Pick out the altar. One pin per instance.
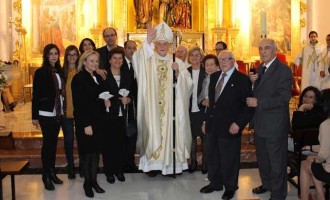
(33, 24)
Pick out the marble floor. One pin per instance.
(138, 186)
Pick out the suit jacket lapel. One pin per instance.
(229, 83)
(213, 82)
(201, 77)
(268, 72)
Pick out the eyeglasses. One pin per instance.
(225, 59)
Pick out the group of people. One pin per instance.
(98, 105)
(118, 99)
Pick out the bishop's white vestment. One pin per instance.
(155, 111)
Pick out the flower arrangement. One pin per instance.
(3, 66)
(3, 63)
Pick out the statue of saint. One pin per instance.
(143, 12)
(179, 15)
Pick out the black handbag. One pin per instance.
(131, 125)
(131, 128)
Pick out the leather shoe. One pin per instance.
(47, 182)
(209, 189)
(152, 173)
(88, 190)
(228, 194)
(120, 177)
(111, 179)
(259, 190)
(97, 188)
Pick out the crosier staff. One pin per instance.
(176, 35)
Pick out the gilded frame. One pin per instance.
(188, 39)
(53, 22)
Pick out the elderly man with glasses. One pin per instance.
(226, 118)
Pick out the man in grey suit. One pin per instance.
(271, 95)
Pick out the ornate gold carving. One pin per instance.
(303, 7)
(302, 22)
(20, 51)
(162, 78)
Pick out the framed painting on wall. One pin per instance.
(53, 22)
(281, 24)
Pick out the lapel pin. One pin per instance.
(232, 85)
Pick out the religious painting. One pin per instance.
(56, 23)
(176, 13)
(186, 15)
(276, 23)
(188, 39)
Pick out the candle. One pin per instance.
(263, 22)
(96, 11)
(219, 12)
(233, 13)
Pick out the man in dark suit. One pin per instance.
(227, 116)
(272, 92)
(131, 129)
(110, 38)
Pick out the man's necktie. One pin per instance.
(219, 86)
(130, 66)
(262, 73)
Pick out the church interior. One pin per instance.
(26, 26)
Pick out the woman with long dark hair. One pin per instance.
(309, 115)
(310, 112)
(89, 109)
(316, 168)
(70, 65)
(47, 110)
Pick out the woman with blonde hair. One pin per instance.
(197, 71)
(88, 110)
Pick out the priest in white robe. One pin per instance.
(154, 73)
(325, 66)
(309, 57)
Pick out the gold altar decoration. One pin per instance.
(236, 26)
(303, 9)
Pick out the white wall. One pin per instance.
(4, 31)
(318, 17)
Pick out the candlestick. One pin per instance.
(263, 22)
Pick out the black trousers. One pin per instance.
(113, 146)
(50, 128)
(272, 161)
(130, 147)
(223, 161)
(196, 120)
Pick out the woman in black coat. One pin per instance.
(113, 139)
(47, 110)
(88, 110)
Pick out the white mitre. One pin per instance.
(164, 33)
